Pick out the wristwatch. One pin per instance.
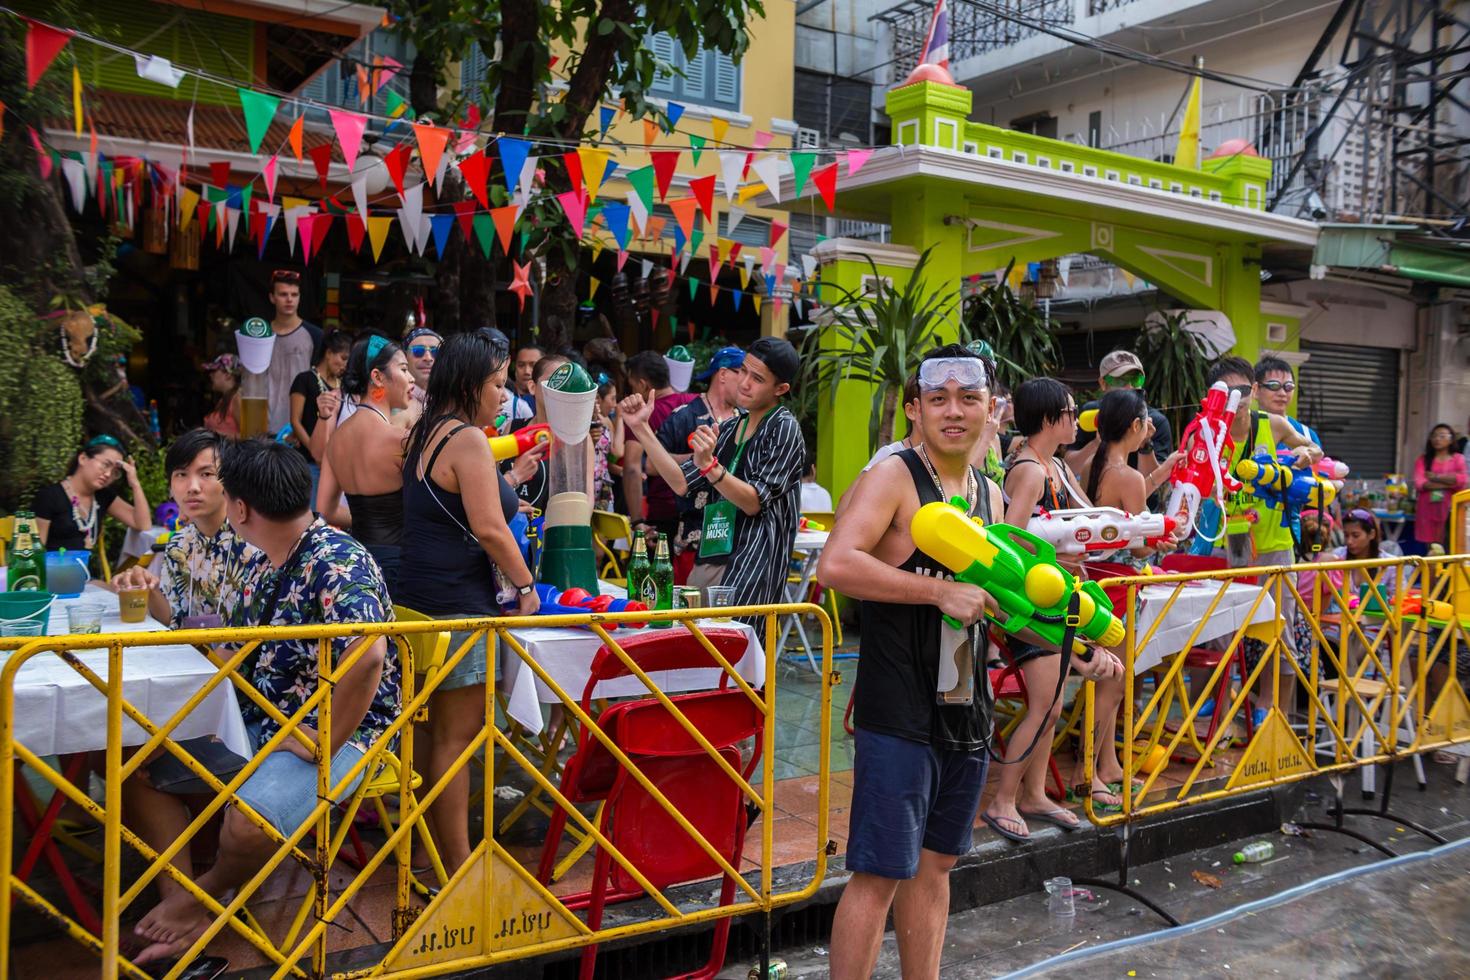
(525, 589)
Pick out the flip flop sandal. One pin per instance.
(1052, 817)
(1010, 835)
(204, 968)
(1078, 794)
(1116, 787)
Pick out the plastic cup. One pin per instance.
(132, 605)
(1060, 901)
(686, 597)
(84, 618)
(22, 627)
(720, 597)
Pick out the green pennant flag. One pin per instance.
(642, 181)
(484, 232)
(525, 238)
(214, 194)
(801, 166)
(245, 194)
(693, 287)
(260, 110)
(696, 143)
(695, 239)
(395, 102)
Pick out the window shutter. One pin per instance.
(667, 52)
(693, 87)
(726, 89)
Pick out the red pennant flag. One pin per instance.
(734, 251)
(505, 224)
(205, 210)
(825, 179)
(704, 193)
(321, 158)
(305, 226)
(669, 283)
(573, 163)
(43, 44)
(683, 210)
(219, 173)
(355, 229)
(465, 212)
(432, 140)
(476, 171)
(319, 230)
(294, 137)
(664, 163)
(397, 163)
(777, 230)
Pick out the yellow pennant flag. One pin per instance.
(597, 246)
(718, 127)
(592, 283)
(187, 207)
(76, 96)
(377, 229)
(287, 203)
(594, 165)
(1186, 154)
(1017, 276)
(744, 276)
(756, 299)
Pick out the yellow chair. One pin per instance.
(7, 531)
(826, 519)
(607, 529)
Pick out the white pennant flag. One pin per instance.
(809, 265)
(413, 209)
(443, 165)
(749, 259)
(528, 173)
(732, 163)
(426, 228)
(219, 213)
(640, 213)
(736, 215)
(232, 225)
(292, 214)
(647, 268)
(359, 195)
(1064, 268)
(684, 261)
(768, 169)
(76, 181)
(157, 69)
(189, 129)
(410, 231)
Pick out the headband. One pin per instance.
(418, 332)
(375, 346)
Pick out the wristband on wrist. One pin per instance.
(723, 473)
(712, 464)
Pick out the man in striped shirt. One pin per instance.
(745, 474)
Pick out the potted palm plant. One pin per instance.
(1019, 333)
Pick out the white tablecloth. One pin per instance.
(566, 654)
(57, 711)
(1186, 612)
(136, 544)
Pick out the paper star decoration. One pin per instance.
(521, 284)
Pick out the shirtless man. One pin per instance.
(919, 766)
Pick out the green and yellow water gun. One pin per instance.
(1020, 571)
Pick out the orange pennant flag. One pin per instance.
(654, 230)
(294, 138)
(432, 140)
(505, 223)
(650, 132)
(683, 210)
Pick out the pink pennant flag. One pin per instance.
(43, 156)
(768, 256)
(268, 172)
(384, 68)
(856, 159)
(349, 126)
(304, 225)
(622, 258)
(762, 140)
(575, 205)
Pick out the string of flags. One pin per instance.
(118, 185)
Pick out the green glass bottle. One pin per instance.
(26, 569)
(637, 568)
(658, 588)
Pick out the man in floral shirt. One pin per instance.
(314, 574)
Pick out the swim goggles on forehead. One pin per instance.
(967, 372)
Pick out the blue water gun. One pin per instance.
(578, 602)
(1283, 484)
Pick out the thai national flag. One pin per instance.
(936, 45)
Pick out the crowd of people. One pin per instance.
(382, 442)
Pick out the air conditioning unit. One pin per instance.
(808, 137)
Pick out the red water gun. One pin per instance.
(1205, 468)
(513, 444)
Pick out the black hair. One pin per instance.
(605, 387)
(360, 369)
(1370, 525)
(1040, 402)
(335, 342)
(465, 363)
(1269, 364)
(1229, 365)
(649, 366)
(93, 448)
(269, 477)
(1429, 444)
(533, 346)
(1116, 413)
(186, 448)
(546, 365)
(911, 388)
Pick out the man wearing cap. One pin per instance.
(747, 473)
(1123, 369)
(711, 408)
(648, 376)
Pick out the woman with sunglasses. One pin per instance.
(1438, 475)
(364, 459)
(69, 514)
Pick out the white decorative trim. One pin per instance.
(1088, 170)
(1023, 235)
(951, 139)
(783, 127)
(1018, 156)
(882, 253)
(995, 152)
(1044, 162)
(908, 132)
(1164, 255)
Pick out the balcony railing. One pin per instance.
(973, 30)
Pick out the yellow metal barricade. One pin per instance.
(1362, 662)
(468, 923)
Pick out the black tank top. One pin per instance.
(446, 572)
(377, 518)
(899, 653)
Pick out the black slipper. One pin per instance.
(1050, 816)
(1009, 835)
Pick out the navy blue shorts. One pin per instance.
(907, 796)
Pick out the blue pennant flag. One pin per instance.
(771, 284)
(616, 216)
(737, 298)
(605, 117)
(513, 153)
(675, 111)
(440, 225)
(678, 239)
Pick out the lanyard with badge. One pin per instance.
(717, 531)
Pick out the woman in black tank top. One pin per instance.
(463, 562)
(1046, 416)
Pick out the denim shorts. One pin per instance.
(283, 789)
(473, 667)
(907, 796)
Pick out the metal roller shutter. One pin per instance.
(1350, 395)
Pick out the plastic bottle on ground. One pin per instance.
(1255, 852)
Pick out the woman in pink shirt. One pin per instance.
(1438, 474)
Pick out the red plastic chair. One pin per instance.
(1009, 683)
(692, 781)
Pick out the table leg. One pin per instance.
(40, 825)
(793, 620)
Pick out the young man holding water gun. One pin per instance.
(922, 734)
